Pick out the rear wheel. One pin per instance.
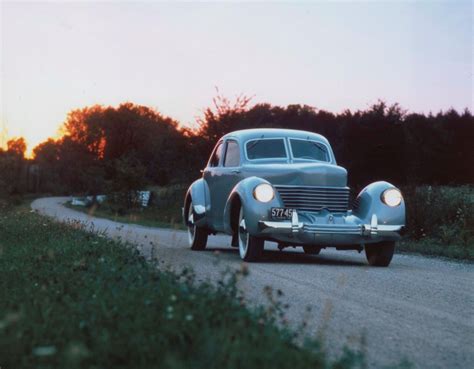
(380, 254)
(250, 247)
(197, 236)
(311, 250)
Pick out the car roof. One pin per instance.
(248, 134)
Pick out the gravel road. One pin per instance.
(421, 309)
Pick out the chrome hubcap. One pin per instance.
(243, 235)
(191, 225)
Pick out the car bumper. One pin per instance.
(353, 231)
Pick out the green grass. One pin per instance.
(72, 299)
(169, 217)
(433, 247)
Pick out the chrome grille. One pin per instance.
(333, 228)
(356, 203)
(309, 198)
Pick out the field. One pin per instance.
(75, 299)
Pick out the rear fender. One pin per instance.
(198, 192)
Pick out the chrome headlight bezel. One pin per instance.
(392, 197)
(264, 192)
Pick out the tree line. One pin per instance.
(113, 149)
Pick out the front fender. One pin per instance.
(369, 202)
(254, 210)
(199, 193)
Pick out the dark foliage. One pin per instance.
(100, 143)
(382, 142)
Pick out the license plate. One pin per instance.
(281, 213)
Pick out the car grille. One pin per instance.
(309, 198)
(356, 204)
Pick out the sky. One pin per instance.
(58, 56)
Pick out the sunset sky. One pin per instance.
(331, 55)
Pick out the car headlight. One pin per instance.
(392, 197)
(264, 192)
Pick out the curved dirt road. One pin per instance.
(421, 309)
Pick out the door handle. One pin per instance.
(236, 171)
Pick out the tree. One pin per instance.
(17, 147)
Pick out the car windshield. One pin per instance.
(266, 149)
(309, 150)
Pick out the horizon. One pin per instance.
(61, 57)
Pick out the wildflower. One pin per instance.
(189, 317)
(44, 351)
(169, 309)
(173, 298)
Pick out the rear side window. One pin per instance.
(309, 150)
(232, 154)
(216, 157)
(266, 149)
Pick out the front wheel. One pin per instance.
(380, 254)
(197, 236)
(250, 247)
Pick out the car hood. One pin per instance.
(300, 174)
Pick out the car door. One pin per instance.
(210, 175)
(222, 178)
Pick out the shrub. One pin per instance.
(442, 213)
(168, 196)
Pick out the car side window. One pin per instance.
(232, 154)
(216, 157)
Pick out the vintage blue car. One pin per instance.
(284, 186)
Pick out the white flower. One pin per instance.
(44, 351)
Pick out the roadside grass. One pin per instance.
(440, 221)
(164, 217)
(433, 247)
(73, 299)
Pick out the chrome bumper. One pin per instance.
(295, 226)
